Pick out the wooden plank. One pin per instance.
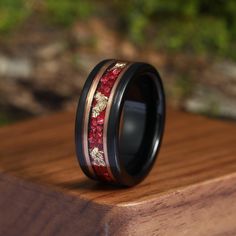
(190, 191)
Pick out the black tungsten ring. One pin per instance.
(120, 122)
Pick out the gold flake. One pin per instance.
(97, 157)
(119, 65)
(101, 104)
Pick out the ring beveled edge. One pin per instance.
(80, 118)
(124, 178)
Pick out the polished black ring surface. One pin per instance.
(120, 122)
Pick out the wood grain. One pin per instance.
(190, 191)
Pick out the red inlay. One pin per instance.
(96, 124)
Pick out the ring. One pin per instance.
(120, 122)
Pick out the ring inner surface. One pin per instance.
(139, 123)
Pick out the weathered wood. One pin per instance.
(190, 191)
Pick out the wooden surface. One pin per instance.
(190, 191)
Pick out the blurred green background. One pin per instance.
(48, 47)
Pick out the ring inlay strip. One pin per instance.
(96, 145)
(88, 105)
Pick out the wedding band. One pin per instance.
(120, 122)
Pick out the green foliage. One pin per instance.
(62, 12)
(196, 25)
(193, 36)
(65, 12)
(12, 13)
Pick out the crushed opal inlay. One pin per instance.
(97, 117)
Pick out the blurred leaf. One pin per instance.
(197, 26)
(194, 36)
(65, 12)
(12, 13)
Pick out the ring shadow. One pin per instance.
(90, 185)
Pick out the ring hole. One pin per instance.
(139, 123)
